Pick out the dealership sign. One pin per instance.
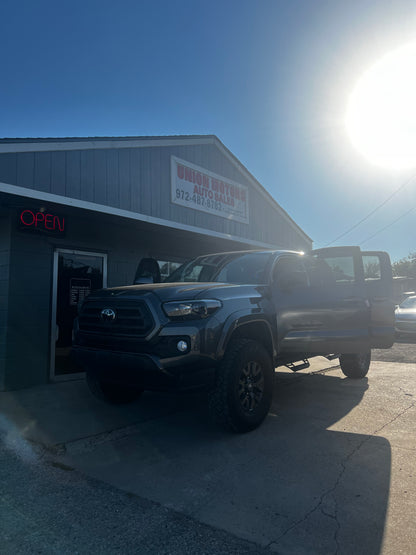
(200, 189)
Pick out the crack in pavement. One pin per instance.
(344, 462)
(338, 526)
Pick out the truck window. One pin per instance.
(244, 268)
(342, 268)
(372, 269)
(289, 273)
(319, 272)
(250, 268)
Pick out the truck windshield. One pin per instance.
(239, 268)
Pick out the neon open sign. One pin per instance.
(42, 221)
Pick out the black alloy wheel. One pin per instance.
(251, 386)
(244, 387)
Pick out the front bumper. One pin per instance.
(405, 326)
(120, 351)
(145, 370)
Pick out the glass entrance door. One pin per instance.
(76, 274)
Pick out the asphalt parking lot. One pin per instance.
(330, 471)
(404, 350)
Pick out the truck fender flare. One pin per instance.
(238, 320)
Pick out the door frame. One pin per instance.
(53, 334)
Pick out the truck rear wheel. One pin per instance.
(113, 393)
(355, 365)
(244, 388)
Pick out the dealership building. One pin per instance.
(77, 214)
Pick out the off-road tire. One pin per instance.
(355, 365)
(244, 387)
(112, 393)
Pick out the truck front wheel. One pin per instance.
(244, 387)
(355, 365)
(113, 393)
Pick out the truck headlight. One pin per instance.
(189, 310)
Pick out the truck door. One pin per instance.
(379, 290)
(345, 299)
(320, 302)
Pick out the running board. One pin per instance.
(299, 365)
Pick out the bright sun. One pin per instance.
(381, 114)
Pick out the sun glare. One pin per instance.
(381, 113)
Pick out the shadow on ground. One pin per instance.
(292, 485)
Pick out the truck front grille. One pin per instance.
(118, 317)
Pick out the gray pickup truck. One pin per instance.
(225, 321)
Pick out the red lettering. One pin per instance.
(39, 218)
(49, 221)
(188, 174)
(61, 226)
(42, 221)
(27, 217)
(180, 171)
(205, 181)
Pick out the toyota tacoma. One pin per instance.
(225, 321)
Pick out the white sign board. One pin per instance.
(200, 189)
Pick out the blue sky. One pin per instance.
(270, 78)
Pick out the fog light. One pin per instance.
(182, 346)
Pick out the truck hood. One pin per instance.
(181, 291)
(406, 313)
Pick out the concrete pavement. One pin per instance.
(330, 471)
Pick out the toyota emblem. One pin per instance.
(108, 315)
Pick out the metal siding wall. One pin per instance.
(4, 291)
(87, 175)
(135, 180)
(58, 173)
(161, 193)
(42, 172)
(144, 189)
(8, 168)
(100, 177)
(124, 179)
(28, 336)
(25, 169)
(138, 179)
(112, 178)
(73, 174)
